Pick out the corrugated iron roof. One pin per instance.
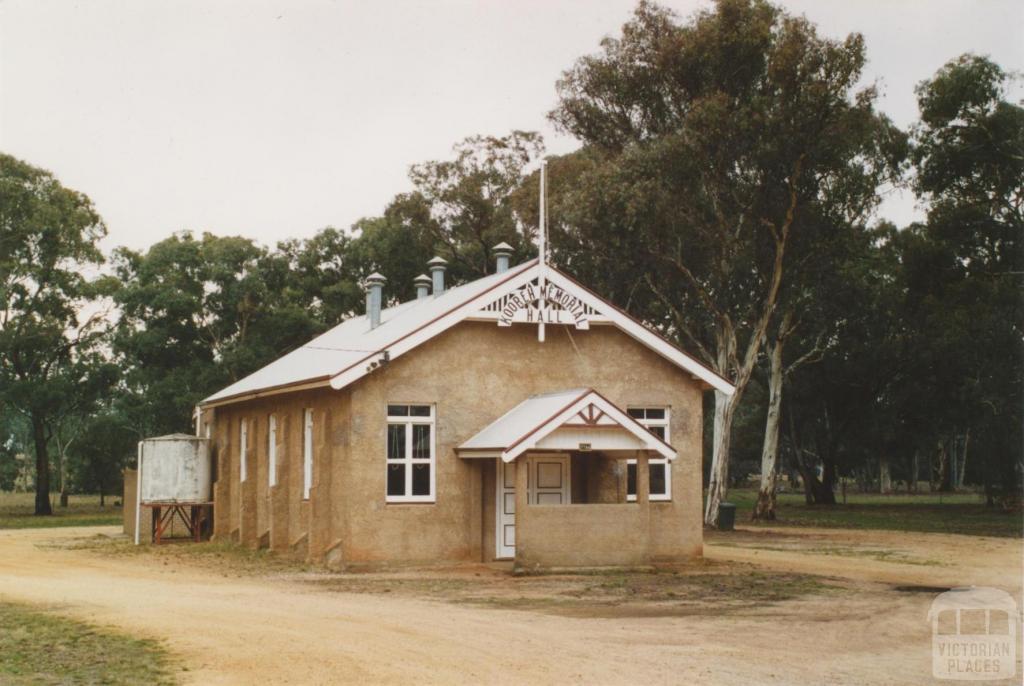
(524, 417)
(352, 349)
(351, 341)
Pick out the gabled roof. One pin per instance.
(352, 349)
(583, 410)
(353, 340)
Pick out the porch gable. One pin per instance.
(577, 419)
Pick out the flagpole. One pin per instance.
(542, 296)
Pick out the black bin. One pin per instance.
(726, 516)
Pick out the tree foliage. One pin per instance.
(722, 141)
(49, 324)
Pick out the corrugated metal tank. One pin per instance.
(175, 469)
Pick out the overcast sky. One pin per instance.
(275, 119)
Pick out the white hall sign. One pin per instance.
(560, 307)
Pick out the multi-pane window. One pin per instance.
(307, 452)
(656, 421)
(410, 454)
(243, 444)
(272, 450)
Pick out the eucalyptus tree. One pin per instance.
(104, 448)
(836, 412)
(715, 136)
(459, 209)
(968, 262)
(49, 317)
(469, 198)
(195, 315)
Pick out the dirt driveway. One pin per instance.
(465, 625)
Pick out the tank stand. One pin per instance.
(196, 517)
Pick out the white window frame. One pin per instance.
(307, 452)
(408, 461)
(651, 423)
(243, 446)
(272, 451)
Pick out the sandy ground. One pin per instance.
(282, 629)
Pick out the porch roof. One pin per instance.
(563, 420)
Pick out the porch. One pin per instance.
(572, 482)
(593, 532)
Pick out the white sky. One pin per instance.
(275, 119)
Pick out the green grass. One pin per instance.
(959, 513)
(38, 646)
(16, 512)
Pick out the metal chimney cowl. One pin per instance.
(374, 297)
(502, 255)
(422, 283)
(437, 268)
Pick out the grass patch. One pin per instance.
(783, 544)
(38, 646)
(735, 586)
(703, 588)
(958, 513)
(226, 559)
(662, 594)
(17, 512)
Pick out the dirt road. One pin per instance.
(893, 557)
(281, 629)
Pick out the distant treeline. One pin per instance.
(724, 192)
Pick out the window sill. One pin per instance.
(410, 502)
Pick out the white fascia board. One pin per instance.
(642, 334)
(433, 328)
(649, 440)
(472, 307)
(470, 454)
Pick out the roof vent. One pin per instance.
(437, 267)
(502, 253)
(374, 293)
(422, 286)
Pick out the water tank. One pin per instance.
(175, 469)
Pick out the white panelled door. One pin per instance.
(505, 507)
(547, 484)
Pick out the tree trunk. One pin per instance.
(798, 458)
(945, 475)
(805, 477)
(954, 459)
(825, 494)
(63, 472)
(816, 491)
(915, 465)
(718, 482)
(765, 506)
(42, 467)
(986, 477)
(884, 476)
(963, 460)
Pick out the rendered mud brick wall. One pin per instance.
(472, 374)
